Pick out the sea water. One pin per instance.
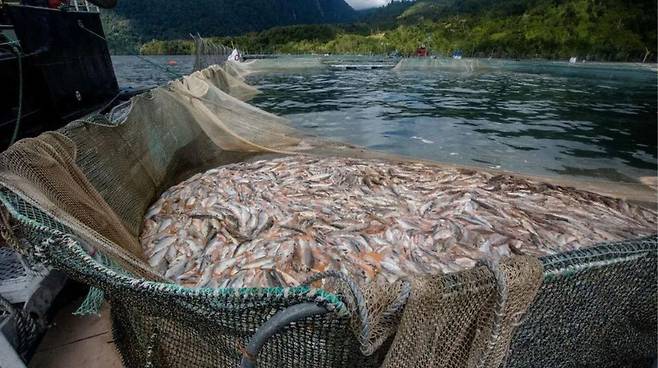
(593, 121)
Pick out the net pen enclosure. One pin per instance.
(77, 198)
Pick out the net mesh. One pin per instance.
(444, 64)
(44, 170)
(594, 70)
(79, 197)
(596, 308)
(466, 320)
(233, 86)
(208, 53)
(242, 69)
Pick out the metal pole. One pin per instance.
(275, 324)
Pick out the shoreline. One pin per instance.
(439, 57)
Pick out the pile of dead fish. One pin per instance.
(274, 223)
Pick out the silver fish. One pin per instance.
(276, 222)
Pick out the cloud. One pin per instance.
(363, 4)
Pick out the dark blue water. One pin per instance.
(536, 118)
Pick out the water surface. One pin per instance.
(537, 118)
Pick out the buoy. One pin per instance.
(172, 62)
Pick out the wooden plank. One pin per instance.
(75, 341)
(67, 328)
(93, 352)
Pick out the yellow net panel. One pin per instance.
(43, 171)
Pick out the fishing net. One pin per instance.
(596, 308)
(443, 64)
(43, 170)
(208, 53)
(79, 197)
(466, 320)
(233, 86)
(278, 64)
(594, 70)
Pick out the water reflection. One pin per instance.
(533, 123)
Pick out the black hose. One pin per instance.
(275, 324)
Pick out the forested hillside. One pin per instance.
(598, 29)
(606, 30)
(134, 22)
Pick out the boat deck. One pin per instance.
(74, 341)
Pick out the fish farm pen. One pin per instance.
(221, 236)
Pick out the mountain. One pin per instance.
(619, 30)
(387, 14)
(134, 22)
(603, 30)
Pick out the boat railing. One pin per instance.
(84, 6)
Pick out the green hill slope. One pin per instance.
(619, 30)
(604, 30)
(600, 29)
(136, 21)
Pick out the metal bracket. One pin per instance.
(274, 325)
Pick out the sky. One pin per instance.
(362, 4)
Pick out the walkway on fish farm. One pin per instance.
(74, 341)
(361, 66)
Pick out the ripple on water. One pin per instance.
(533, 117)
(533, 123)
